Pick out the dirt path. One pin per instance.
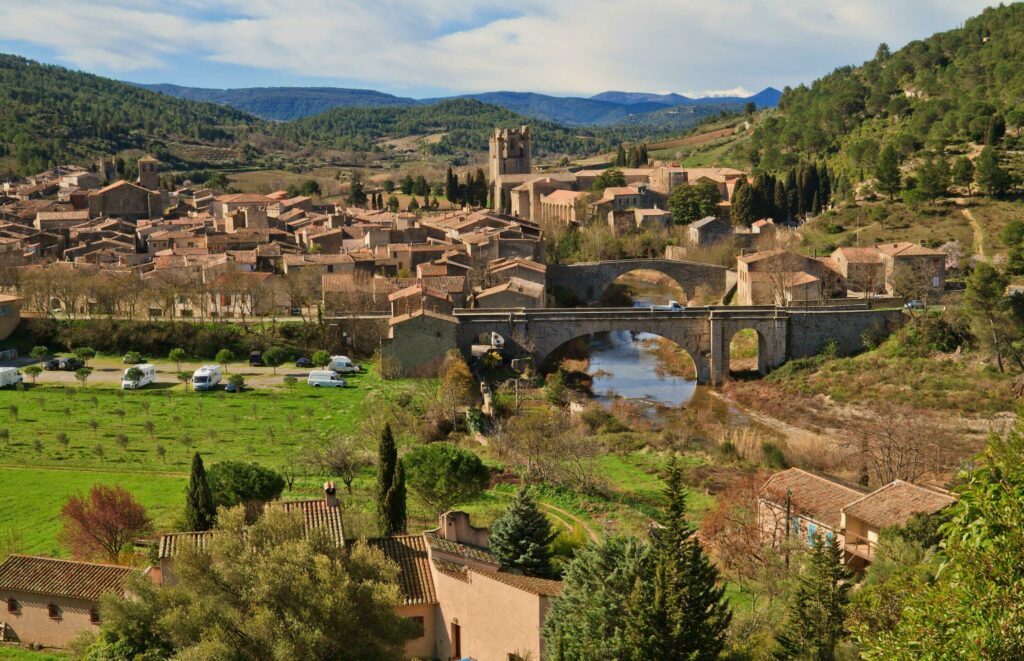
(979, 233)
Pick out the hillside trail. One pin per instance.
(979, 233)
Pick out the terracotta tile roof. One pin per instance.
(61, 578)
(907, 249)
(244, 198)
(417, 290)
(814, 496)
(116, 185)
(501, 264)
(316, 515)
(172, 543)
(517, 285)
(423, 312)
(453, 569)
(563, 196)
(860, 255)
(544, 587)
(468, 551)
(896, 502)
(409, 552)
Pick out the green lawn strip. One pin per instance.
(31, 500)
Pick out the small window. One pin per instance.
(54, 610)
(512, 656)
(94, 615)
(935, 282)
(418, 621)
(12, 605)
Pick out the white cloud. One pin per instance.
(568, 46)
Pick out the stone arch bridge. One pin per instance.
(705, 333)
(587, 282)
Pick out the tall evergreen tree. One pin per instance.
(480, 189)
(200, 512)
(792, 193)
(780, 206)
(451, 186)
(887, 171)
(391, 507)
(681, 611)
(620, 156)
(742, 209)
(817, 609)
(521, 537)
(816, 204)
(992, 177)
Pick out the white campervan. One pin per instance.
(148, 376)
(206, 377)
(9, 376)
(342, 364)
(326, 379)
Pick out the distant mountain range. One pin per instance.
(605, 109)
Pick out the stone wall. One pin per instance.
(811, 330)
(417, 345)
(587, 282)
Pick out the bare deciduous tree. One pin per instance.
(898, 444)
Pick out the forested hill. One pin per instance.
(947, 89)
(284, 103)
(50, 114)
(458, 123)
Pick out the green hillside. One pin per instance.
(466, 124)
(940, 93)
(49, 114)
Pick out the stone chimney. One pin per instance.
(330, 495)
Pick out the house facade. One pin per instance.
(48, 602)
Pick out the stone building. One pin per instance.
(124, 199)
(509, 155)
(149, 176)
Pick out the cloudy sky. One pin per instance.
(433, 47)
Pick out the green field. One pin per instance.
(269, 426)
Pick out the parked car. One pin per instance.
(303, 362)
(326, 379)
(914, 304)
(232, 388)
(256, 359)
(70, 364)
(52, 364)
(132, 358)
(343, 364)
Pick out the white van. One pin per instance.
(206, 377)
(148, 376)
(326, 379)
(342, 364)
(9, 376)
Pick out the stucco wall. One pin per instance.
(495, 619)
(32, 623)
(423, 647)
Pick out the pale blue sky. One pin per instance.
(435, 47)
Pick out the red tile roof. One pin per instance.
(814, 496)
(61, 578)
(896, 502)
(409, 552)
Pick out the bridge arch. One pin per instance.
(586, 283)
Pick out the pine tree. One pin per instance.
(391, 512)
(887, 171)
(683, 612)
(521, 537)
(992, 177)
(200, 512)
(816, 620)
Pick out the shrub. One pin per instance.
(774, 457)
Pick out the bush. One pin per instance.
(774, 457)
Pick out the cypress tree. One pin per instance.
(620, 157)
(780, 211)
(742, 209)
(451, 186)
(816, 204)
(643, 154)
(391, 514)
(816, 620)
(792, 194)
(521, 537)
(200, 512)
(480, 189)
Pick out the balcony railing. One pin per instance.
(861, 547)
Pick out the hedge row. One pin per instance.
(157, 338)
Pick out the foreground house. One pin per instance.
(796, 505)
(47, 602)
(451, 585)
